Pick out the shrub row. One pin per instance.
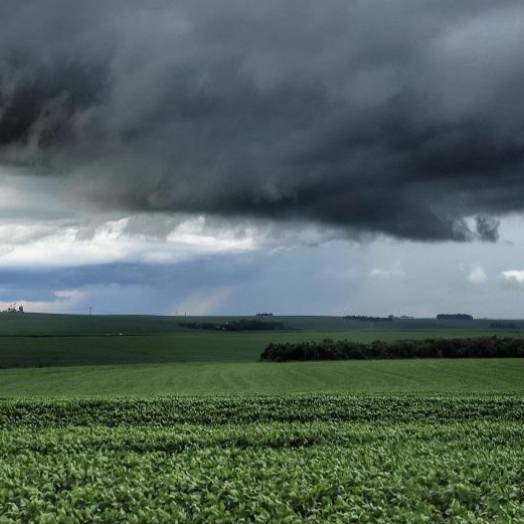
(485, 347)
(236, 325)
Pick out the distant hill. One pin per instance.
(46, 325)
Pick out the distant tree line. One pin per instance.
(454, 316)
(485, 347)
(236, 325)
(365, 318)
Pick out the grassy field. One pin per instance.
(44, 351)
(241, 378)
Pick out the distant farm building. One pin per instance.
(13, 309)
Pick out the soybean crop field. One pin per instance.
(306, 458)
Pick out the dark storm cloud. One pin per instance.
(399, 117)
(487, 228)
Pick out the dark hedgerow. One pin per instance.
(236, 325)
(484, 347)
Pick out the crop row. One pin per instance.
(328, 472)
(166, 411)
(185, 437)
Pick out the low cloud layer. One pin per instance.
(335, 278)
(403, 118)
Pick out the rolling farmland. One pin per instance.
(33, 340)
(172, 425)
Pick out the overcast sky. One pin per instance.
(231, 157)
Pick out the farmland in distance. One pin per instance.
(33, 340)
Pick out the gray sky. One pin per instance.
(235, 157)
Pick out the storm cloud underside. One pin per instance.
(403, 118)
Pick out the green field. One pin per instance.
(223, 378)
(79, 325)
(161, 424)
(33, 340)
(189, 362)
(312, 458)
(44, 351)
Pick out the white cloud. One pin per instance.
(477, 275)
(512, 278)
(66, 244)
(39, 227)
(393, 272)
